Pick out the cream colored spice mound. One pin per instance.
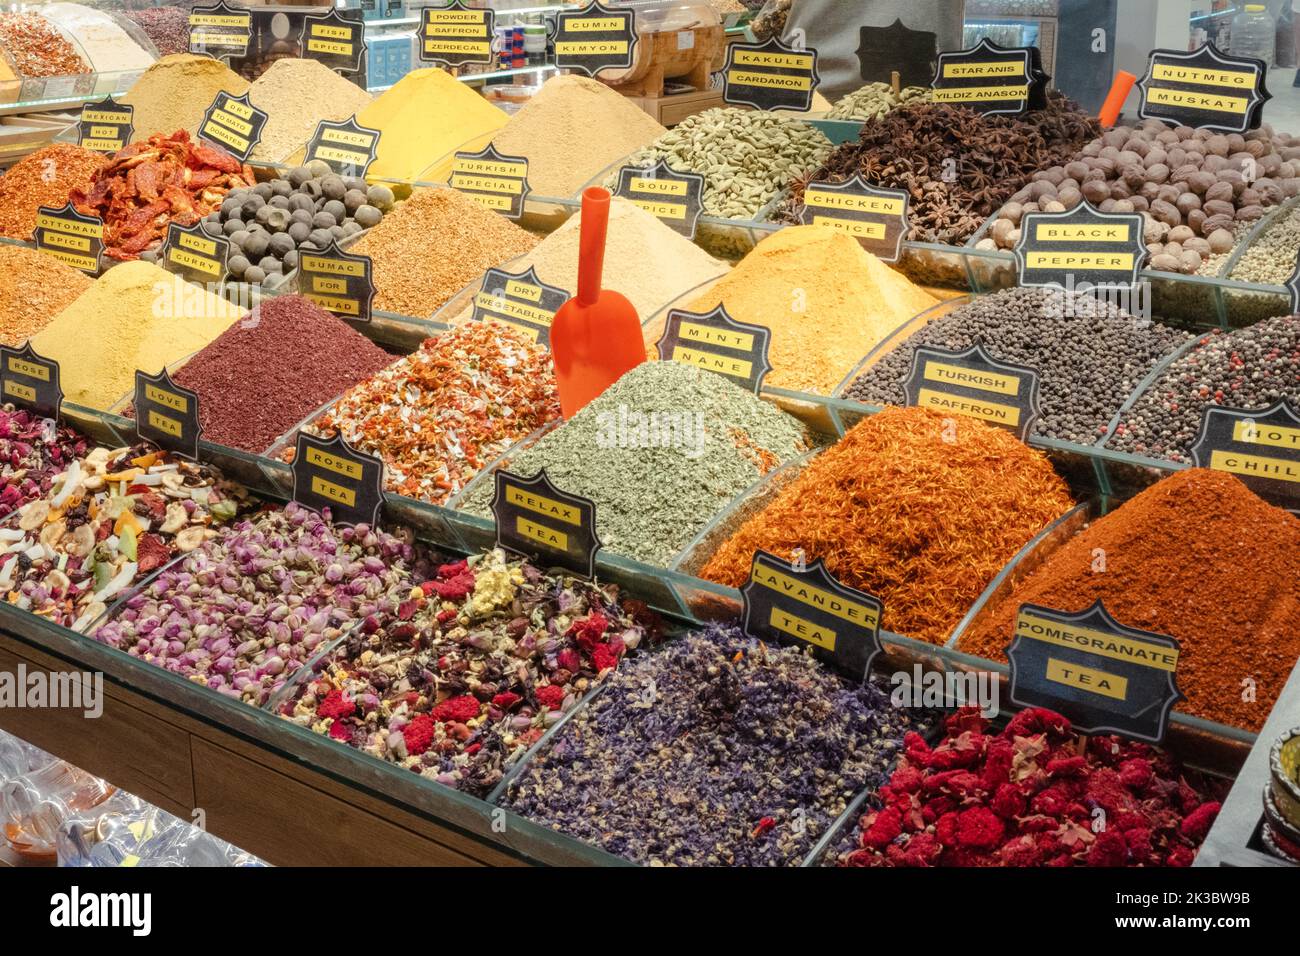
(296, 95)
(176, 91)
(644, 260)
(135, 316)
(571, 131)
(433, 245)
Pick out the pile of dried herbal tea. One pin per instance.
(715, 750)
(468, 672)
(33, 452)
(918, 509)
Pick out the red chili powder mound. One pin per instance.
(275, 366)
(919, 509)
(1199, 557)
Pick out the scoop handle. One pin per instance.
(1119, 90)
(591, 243)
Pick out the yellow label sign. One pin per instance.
(487, 184)
(980, 94)
(1081, 232)
(29, 369)
(338, 267)
(804, 630)
(1096, 642)
(783, 61)
(709, 335)
(965, 69)
(502, 306)
(837, 199)
(1108, 261)
(590, 47)
(541, 533)
(543, 505)
(91, 230)
(1278, 436)
(159, 396)
(595, 24)
(994, 412)
(971, 378)
(713, 362)
(1255, 466)
(1234, 79)
(659, 187)
(24, 392)
(1087, 679)
(854, 227)
(340, 466)
(783, 81)
(165, 423)
(823, 600)
(1188, 99)
(337, 493)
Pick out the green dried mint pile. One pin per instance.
(745, 156)
(663, 450)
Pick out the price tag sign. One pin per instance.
(106, 126)
(328, 473)
(595, 38)
(1080, 249)
(346, 147)
(535, 518)
(986, 78)
(975, 384)
(334, 41)
(234, 124)
(167, 415)
(804, 604)
(675, 199)
(220, 31)
(521, 300)
(70, 237)
(1260, 447)
(194, 255)
(1205, 88)
(1107, 678)
(456, 35)
(884, 51)
(30, 381)
(496, 182)
(338, 282)
(770, 76)
(877, 218)
(716, 342)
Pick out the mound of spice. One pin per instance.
(553, 132)
(1270, 257)
(134, 316)
(108, 521)
(38, 47)
(296, 94)
(102, 41)
(45, 178)
(914, 146)
(272, 368)
(33, 452)
(1089, 353)
(245, 610)
(644, 260)
(168, 28)
(1030, 796)
(660, 452)
(715, 750)
(473, 239)
(153, 183)
(34, 288)
(176, 91)
(873, 101)
(471, 670)
(826, 300)
(920, 510)
(439, 415)
(1197, 556)
(1251, 368)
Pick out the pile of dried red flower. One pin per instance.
(161, 180)
(1032, 795)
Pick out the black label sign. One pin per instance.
(334, 41)
(338, 282)
(220, 31)
(497, 182)
(884, 51)
(1080, 249)
(770, 76)
(986, 78)
(167, 415)
(234, 124)
(595, 38)
(534, 518)
(194, 255)
(787, 603)
(346, 147)
(70, 237)
(1105, 677)
(716, 342)
(521, 300)
(1293, 286)
(1205, 89)
(328, 473)
(877, 218)
(975, 384)
(30, 381)
(106, 126)
(675, 199)
(1260, 447)
(456, 35)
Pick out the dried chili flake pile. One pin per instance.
(470, 670)
(33, 451)
(150, 184)
(1030, 796)
(918, 509)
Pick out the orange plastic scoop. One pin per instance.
(1119, 90)
(596, 335)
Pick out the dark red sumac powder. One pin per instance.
(273, 367)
